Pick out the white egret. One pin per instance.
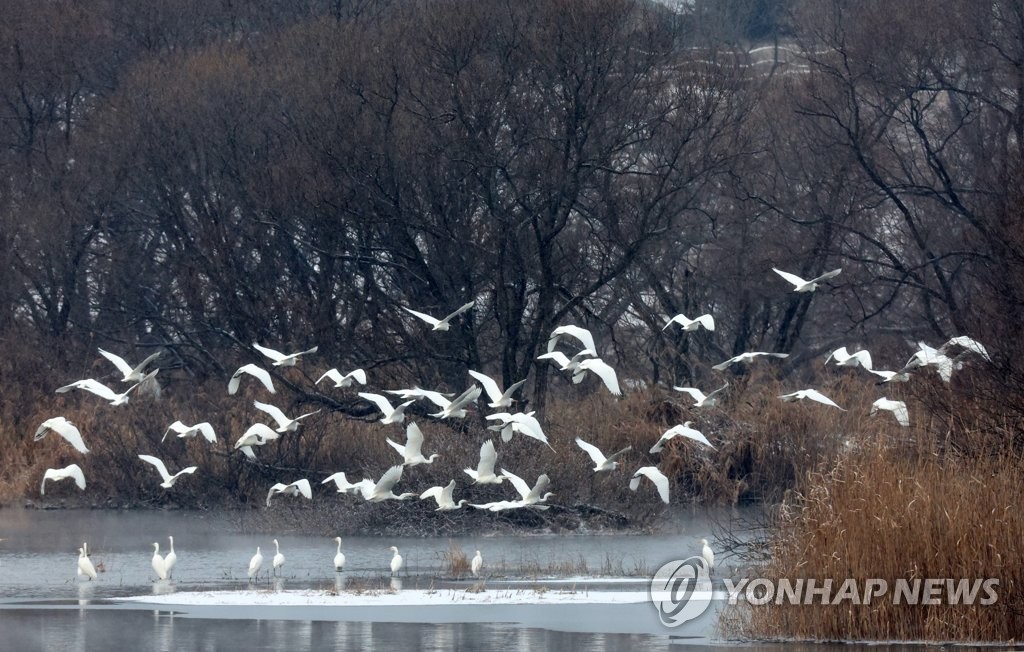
(891, 376)
(255, 564)
(171, 558)
(204, 428)
(396, 561)
(258, 434)
(339, 380)
(85, 566)
(655, 476)
(967, 343)
(444, 497)
(564, 362)
(484, 473)
(168, 479)
(159, 565)
(457, 407)
(259, 373)
(498, 398)
(530, 496)
(299, 487)
(284, 423)
(707, 321)
(708, 554)
(282, 359)
(603, 371)
(440, 324)
(474, 566)
(437, 398)
(811, 394)
(382, 490)
(898, 409)
(342, 483)
(700, 398)
(681, 430)
(844, 358)
(523, 423)
(65, 429)
(585, 337)
(800, 285)
(390, 414)
(927, 356)
(602, 463)
(412, 452)
(69, 471)
(101, 390)
(128, 372)
(278, 561)
(746, 357)
(339, 557)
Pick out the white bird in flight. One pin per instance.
(444, 497)
(700, 398)
(204, 429)
(926, 356)
(258, 434)
(523, 423)
(283, 359)
(382, 490)
(498, 398)
(168, 479)
(811, 394)
(457, 407)
(531, 497)
(129, 373)
(746, 357)
(681, 430)
(655, 476)
(390, 413)
(299, 487)
(564, 362)
(343, 485)
(484, 473)
(800, 285)
(256, 372)
(440, 324)
(602, 463)
(844, 358)
(69, 471)
(966, 343)
(414, 394)
(355, 376)
(412, 452)
(65, 429)
(585, 337)
(284, 423)
(101, 390)
(707, 321)
(898, 409)
(891, 376)
(603, 371)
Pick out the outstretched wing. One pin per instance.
(275, 413)
(256, 372)
(161, 469)
(276, 356)
(593, 451)
(119, 362)
(655, 476)
(490, 386)
(605, 372)
(517, 482)
(488, 457)
(382, 402)
(792, 278)
(424, 316)
(828, 275)
(458, 312)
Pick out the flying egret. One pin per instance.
(927, 356)
(258, 434)
(603, 371)
(168, 479)
(523, 423)
(898, 409)
(457, 407)
(498, 398)
(355, 376)
(811, 394)
(484, 473)
(339, 557)
(800, 285)
(530, 497)
(342, 483)
(282, 359)
(65, 429)
(746, 357)
(85, 566)
(844, 358)
(437, 398)
(564, 362)
(700, 398)
(966, 343)
(681, 430)
(278, 561)
(254, 564)
(390, 414)
(204, 428)
(259, 373)
(601, 463)
(708, 554)
(412, 452)
(69, 471)
(585, 337)
(444, 497)
(707, 321)
(171, 558)
(129, 373)
(284, 423)
(891, 376)
(396, 561)
(655, 476)
(101, 390)
(440, 324)
(382, 490)
(159, 565)
(474, 566)
(294, 489)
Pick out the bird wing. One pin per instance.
(339, 479)
(333, 374)
(424, 316)
(65, 429)
(276, 356)
(433, 492)
(119, 362)
(158, 464)
(865, 359)
(593, 451)
(303, 487)
(382, 402)
(719, 390)
(517, 482)
(258, 373)
(815, 395)
(97, 388)
(902, 415)
(465, 398)
(142, 365)
(358, 375)
(556, 357)
(488, 457)
(276, 489)
(207, 430)
(490, 386)
(605, 372)
(792, 278)
(448, 493)
(582, 334)
(177, 427)
(388, 480)
(463, 308)
(413, 440)
(840, 355)
(678, 319)
(538, 489)
(655, 476)
(75, 472)
(968, 343)
(275, 413)
(513, 387)
(827, 275)
(620, 453)
(721, 366)
(695, 393)
(398, 447)
(707, 321)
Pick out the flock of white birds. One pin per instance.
(577, 362)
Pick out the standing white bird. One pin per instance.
(474, 566)
(440, 324)
(339, 380)
(129, 373)
(523, 423)
(283, 359)
(412, 452)
(585, 337)
(258, 434)
(299, 487)
(259, 373)
(255, 564)
(498, 398)
(85, 566)
(168, 479)
(204, 428)
(339, 557)
(700, 398)
(457, 407)
(707, 321)
(390, 414)
(484, 473)
(284, 423)
(69, 471)
(898, 409)
(800, 285)
(101, 390)
(382, 490)
(159, 565)
(681, 430)
(65, 429)
(845, 359)
(444, 497)
(603, 370)
(171, 558)
(278, 561)
(811, 394)
(708, 554)
(530, 497)
(746, 357)
(655, 476)
(396, 561)
(601, 463)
